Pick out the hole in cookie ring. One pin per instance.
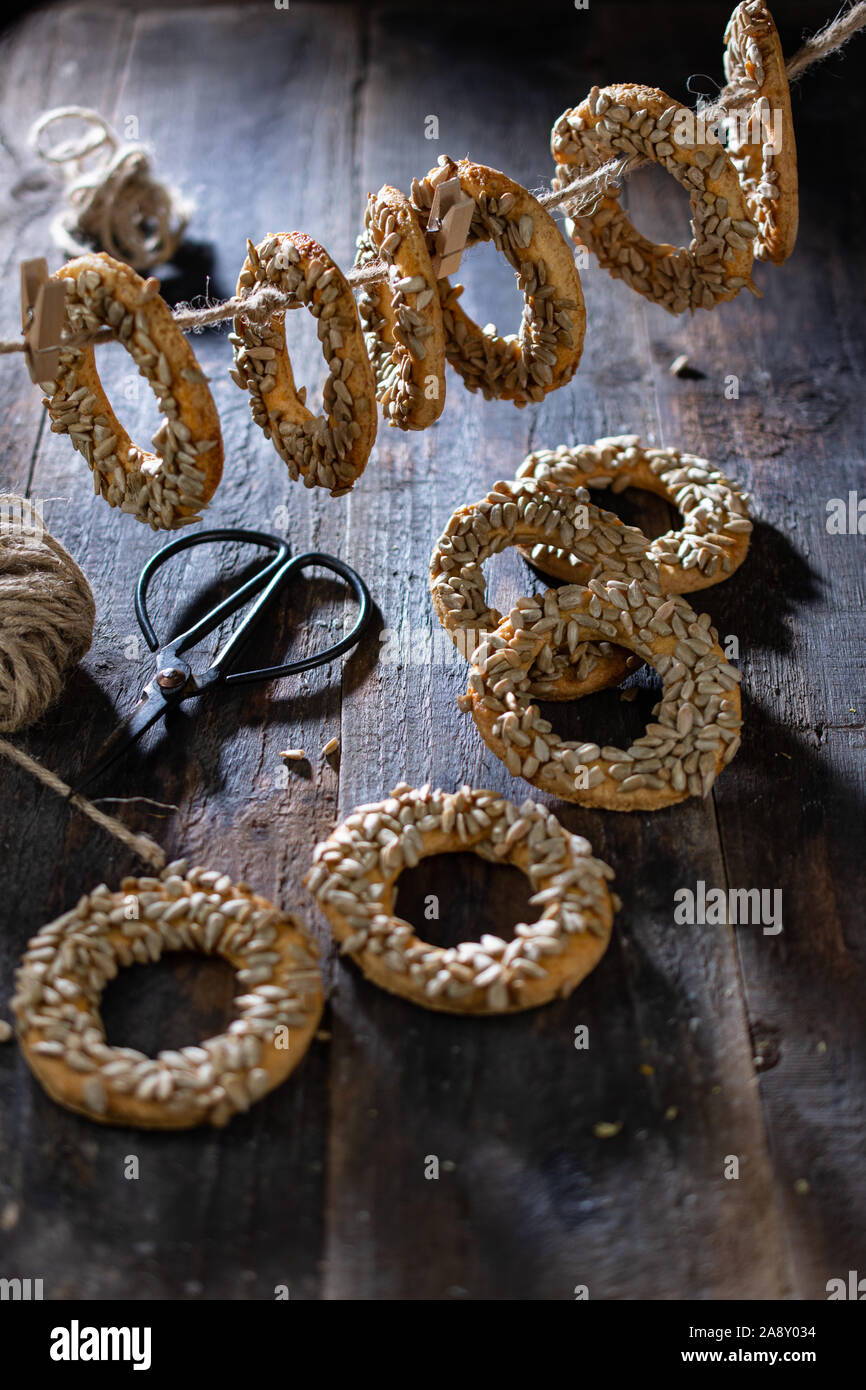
(327, 450)
(169, 1003)
(166, 489)
(630, 121)
(711, 544)
(695, 727)
(610, 719)
(658, 205)
(402, 317)
(355, 869)
(545, 353)
(432, 895)
(68, 963)
(524, 512)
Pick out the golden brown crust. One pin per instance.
(355, 870)
(696, 724)
(520, 513)
(402, 317)
(68, 963)
(546, 352)
(767, 166)
(717, 264)
(164, 490)
(329, 450)
(711, 544)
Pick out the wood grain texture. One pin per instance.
(704, 1041)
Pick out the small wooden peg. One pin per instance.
(450, 218)
(43, 314)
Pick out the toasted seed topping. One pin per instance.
(165, 489)
(545, 352)
(329, 450)
(714, 510)
(524, 512)
(755, 65)
(402, 316)
(694, 724)
(639, 122)
(354, 871)
(68, 963)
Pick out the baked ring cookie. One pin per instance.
(545, 353)
(69, 962)
(761, 135)
(402, 316)
(696, 723)
(629, 120)
(714, 538)
(166, 489)
(522, 513)
(355, 870)
(329, 450)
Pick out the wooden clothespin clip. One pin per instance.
(450, 215)
(43, 314)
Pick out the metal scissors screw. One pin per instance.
(175, 679)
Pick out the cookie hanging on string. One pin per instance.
(760, 137)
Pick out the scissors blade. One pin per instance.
(149, 709)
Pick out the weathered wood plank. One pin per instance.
(792, 437)
(787, 821)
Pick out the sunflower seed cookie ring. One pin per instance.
(526, 512)
(402, 317)
(696, 724)
(628, 120)
(164, 490)
(355, 870)
(328, 450)
(545, 353)
(712, 543)
(761, 136)
(69, 962)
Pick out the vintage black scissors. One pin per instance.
(175, 680)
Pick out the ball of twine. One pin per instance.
(46, 614)
(113, 199)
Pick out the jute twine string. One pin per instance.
(46, 614)
(580, 194)
(830, 39)
(46, 626)
(142, 845)
(116, 202)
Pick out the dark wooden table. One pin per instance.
(705, 1042)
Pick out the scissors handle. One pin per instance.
(301, 562)
(266, 584)
(224, 610)
(158, 697)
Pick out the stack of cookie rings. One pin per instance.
(622, 603)
(391, 349)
